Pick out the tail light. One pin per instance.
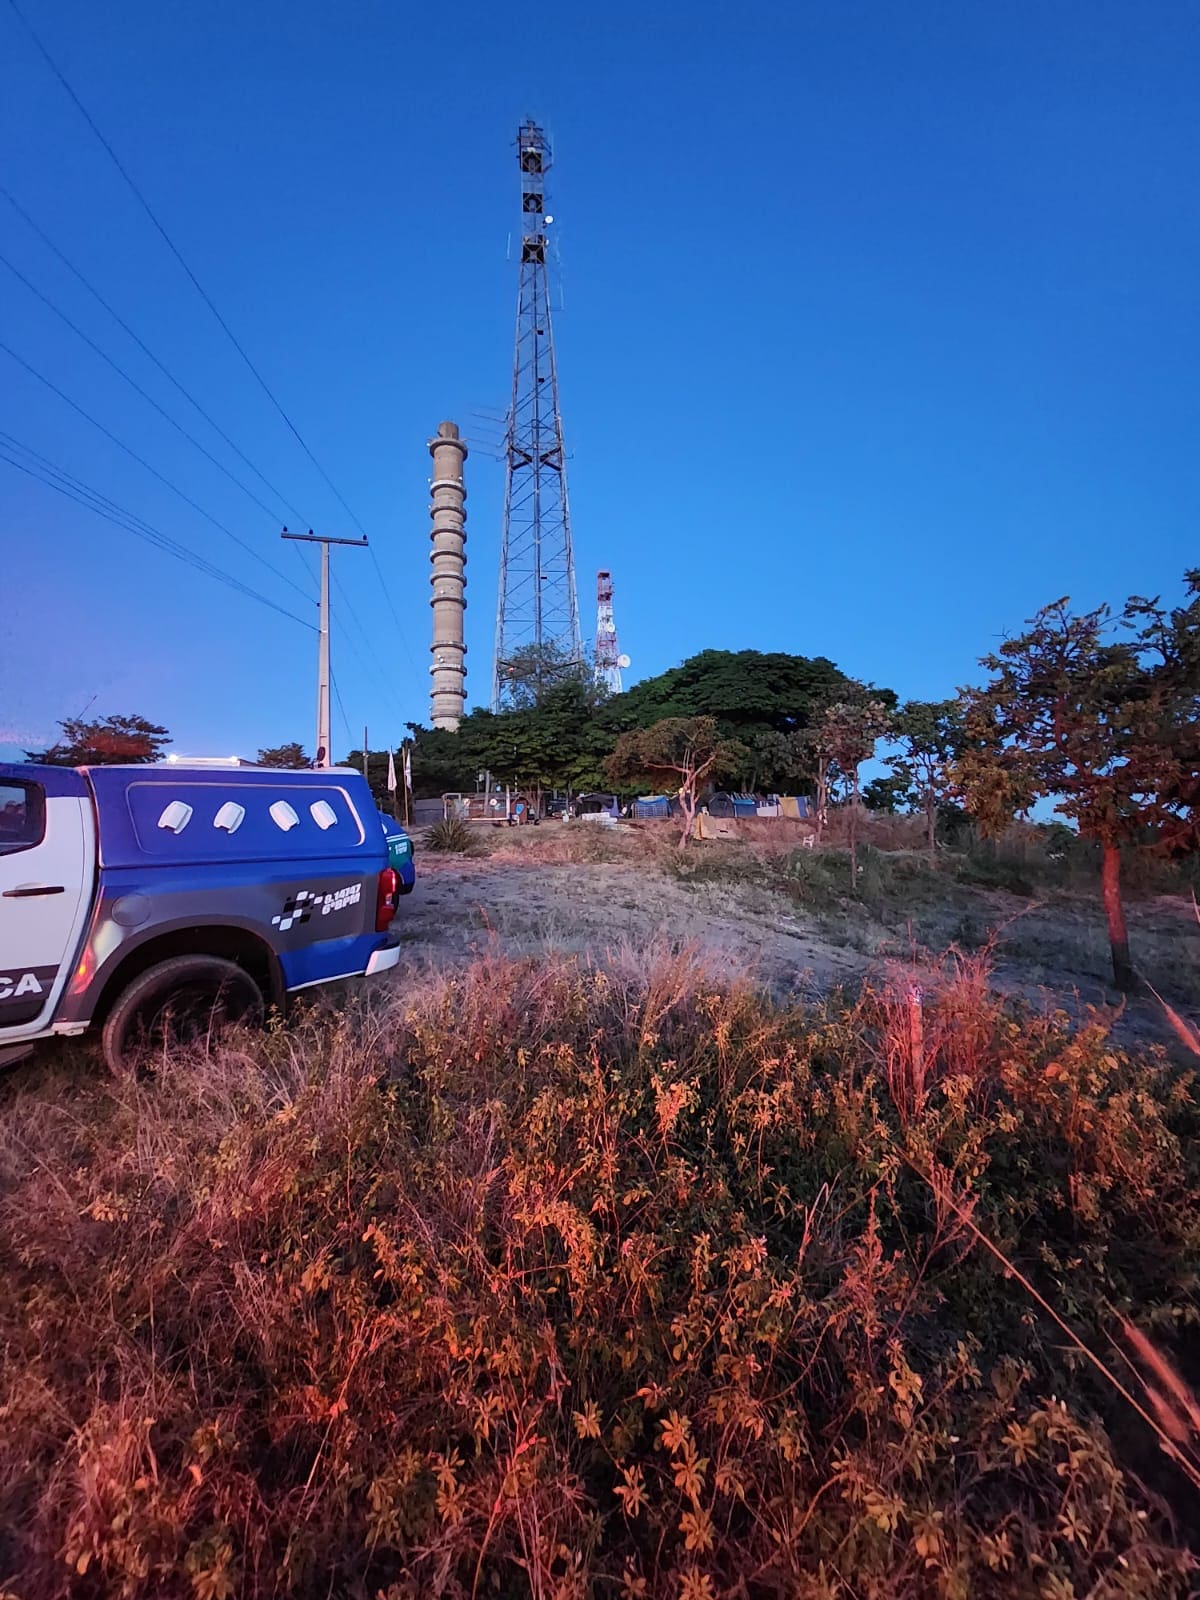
(385, 899)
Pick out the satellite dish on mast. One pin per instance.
(623, 662)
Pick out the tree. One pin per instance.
(289, 756)
(554, 744)
(104, 742)
(931, 734)
(893, 794)
(783, 763)
(811, 760)
(558, 725)
(848, 734)
(679, 754)
(1104, 721)
(533, 671)
(747, 691)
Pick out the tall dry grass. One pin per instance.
(557, 1280)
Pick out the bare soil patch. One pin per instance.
(596, 892)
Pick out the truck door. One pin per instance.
(47, 864)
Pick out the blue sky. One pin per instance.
(880, 330)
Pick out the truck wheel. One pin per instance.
(178, 1002)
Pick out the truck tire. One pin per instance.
(178, 1002)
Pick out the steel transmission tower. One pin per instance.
(537, 613)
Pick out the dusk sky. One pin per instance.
(881, 329)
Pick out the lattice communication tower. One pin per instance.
(537, 613)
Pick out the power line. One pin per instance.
(137, 388)
(337, 695)
(56, 477)
(226, 329)
(65, 483)
(161, 365)
(146, 351)
(154, 472)
(379, 670)
(395, 617)
(175, 251)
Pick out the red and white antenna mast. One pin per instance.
(610, 663)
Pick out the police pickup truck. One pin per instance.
(152, 903)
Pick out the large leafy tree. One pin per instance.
(745, 690)
(930, 733)
(444, 762)
(292, 757)
(1102, 715)
(561, 727)
(679, 755)
(104, 742)
(555, 743)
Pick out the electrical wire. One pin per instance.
(58, 478)
(78, 273)
(175, 251)
(387, 595)
(146, 351)
(337, 695)
(226, 329)
(154, 472)
(137, 388)
(379, 670)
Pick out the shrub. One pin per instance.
(453, 836)
(557, 1281)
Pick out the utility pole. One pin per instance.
(323, 729)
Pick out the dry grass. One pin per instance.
(558, 1281)
(1053, 934)
(586, 843)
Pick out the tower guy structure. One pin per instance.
(537, 612)
(609, 661)
(447, 507)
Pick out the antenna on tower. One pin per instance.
(609, 661)
(537, 610)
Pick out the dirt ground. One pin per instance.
(463, 907)
(523, 901)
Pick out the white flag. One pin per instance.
(407, 768)
(391, 772)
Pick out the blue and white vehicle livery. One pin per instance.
(151, 902)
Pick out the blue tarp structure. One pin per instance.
(732, 805)
(652, 805)
(595, 804)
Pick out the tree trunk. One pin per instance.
(854, 831)
(1123, 974)
(687, 804)
(931, 825)
(822, 794)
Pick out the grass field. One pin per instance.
(580, 1265)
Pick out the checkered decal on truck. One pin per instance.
(299, 907)
(296, 908)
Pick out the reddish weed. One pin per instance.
(559, 1280)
